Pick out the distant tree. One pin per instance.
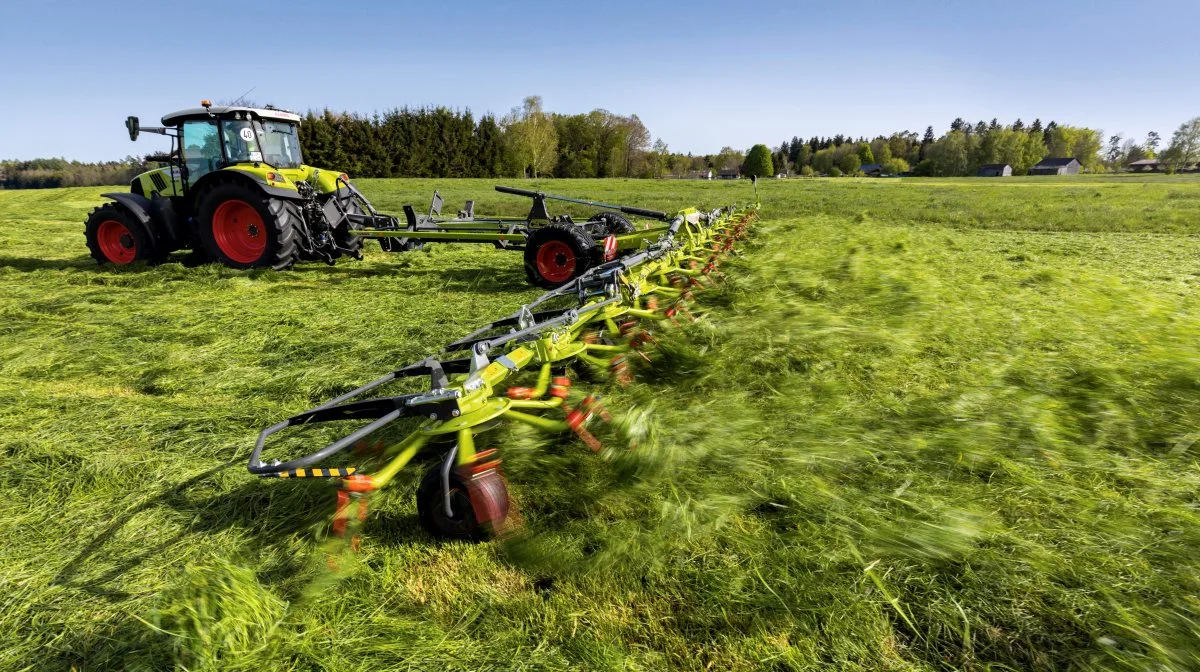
(994, 125)
(823, 160)
(948, 157)
(1036, 127)
(1114, 154)
(1184, 150)
(849, 163)
(729, 159)
(758, 162)
(865, 155)
(957, 125)
(1018, 125)
(835, 172)
(1081, 143)
(980, 128)
(895, 166)
(1131, 151)
(806, 171)
(1048, 135)
(926, 141)
(1152, 142)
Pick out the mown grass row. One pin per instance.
(889, 444)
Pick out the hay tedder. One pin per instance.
(513, 369)
(234, 190)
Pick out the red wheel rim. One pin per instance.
(556, 261)
(116, 242)
(239, 232)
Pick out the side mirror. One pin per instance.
(134, 127)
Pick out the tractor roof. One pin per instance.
(221, 110)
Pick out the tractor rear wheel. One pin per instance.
(557, 253)
(478, 504)
(114, 236)
(242, 227)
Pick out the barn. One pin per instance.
(872, 170)
(995, 170)
(1056, 166)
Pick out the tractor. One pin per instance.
(234, 189)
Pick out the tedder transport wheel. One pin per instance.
(478, 504)
(557, 253)
(243, 228)
(615, 224)
(344, 235)
(116, 237)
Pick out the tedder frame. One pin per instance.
(610, 313)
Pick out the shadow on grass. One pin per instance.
(28, 265)
(475, 278)
(271, 514)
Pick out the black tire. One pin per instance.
(115, 236)
(348, 243)
(280, 224)
(557, 253)
(615, 224)
(479, 504)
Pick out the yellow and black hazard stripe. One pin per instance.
(336, 472)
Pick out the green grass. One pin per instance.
(928, 424)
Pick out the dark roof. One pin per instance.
(1146, 162)
(871, 166)
(993, 166)
(1057, 161)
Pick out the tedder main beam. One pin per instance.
(597, 319)
(557, 249)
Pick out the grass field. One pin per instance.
(928, 424)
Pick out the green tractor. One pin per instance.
(235, 190)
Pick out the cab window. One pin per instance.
(241, 140)
(201, 149)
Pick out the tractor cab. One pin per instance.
(208, 138)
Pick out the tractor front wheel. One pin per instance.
(555, 254)
(243, 228)
(116, 237)
(478, 504)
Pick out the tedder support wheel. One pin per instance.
(243, 228)
(478, 504)
(558, 253)
(116, 237)
(615, 224)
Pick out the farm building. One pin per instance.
(730, 174)
(700, 174)
(872, 170)
(1056, 166)
(995, 170)
(1146, 166)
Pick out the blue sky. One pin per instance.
(700, 74)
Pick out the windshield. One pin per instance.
(281, 145)
(272, 142)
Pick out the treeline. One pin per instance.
(51, 173)
(961, 151)
(437, 142)
(528, 141)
